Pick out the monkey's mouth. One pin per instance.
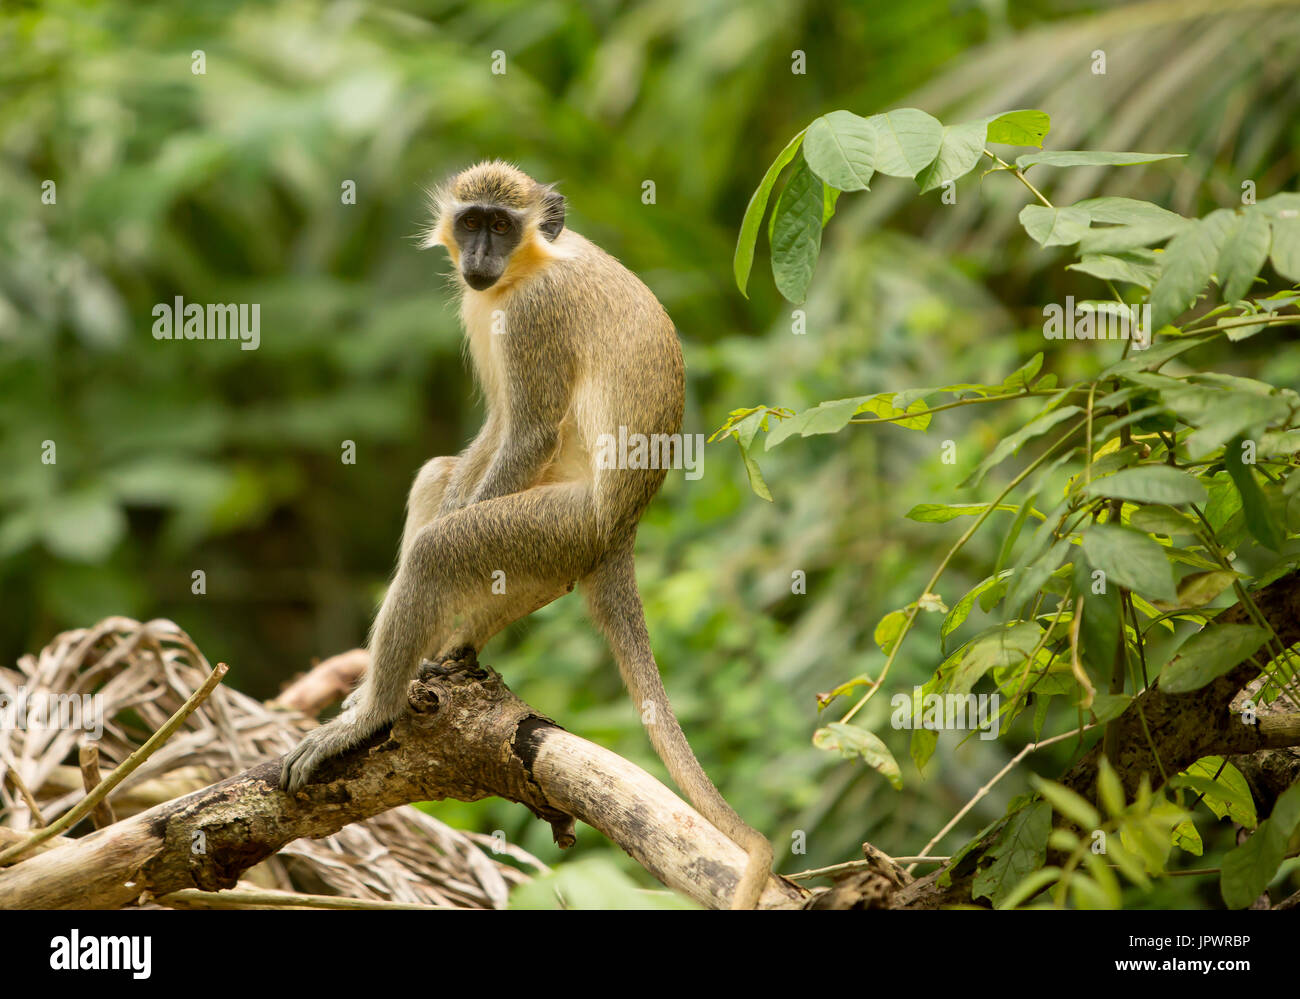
(480, 280)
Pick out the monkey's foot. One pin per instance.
(464, 658)
(317, 746)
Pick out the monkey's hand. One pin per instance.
(349, 729)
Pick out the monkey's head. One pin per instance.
(487, 214)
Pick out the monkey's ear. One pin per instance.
(552, 221)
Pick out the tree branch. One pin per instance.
(1185, 727)
(466, 736)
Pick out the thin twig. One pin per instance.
(857, 865)
(12, 777)
(979, 795)
(88, 761)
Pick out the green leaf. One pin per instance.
(1150, 484)
(889, 629)
(1136, 266)
(1031, 577)
(941, 513)
(1207, 655)
(756, 481)
(907, 140)
(1013, 535)
(992, 648)
(797, 234)
(592, 883)
(1220, 416)
(861, 680)
(1186, 837)
(840, 148)
(1099, 630)
(1069, 804)
(1285, 205)
(747, 428)
(1018, 851)
(1227, 795)
(1023, 376)
(1245, 248)
(1108, 706)
(1163, 520)
(1054, 226)
(921, 747)
(1128, 211)
(832, 416)
(1286, 247)
(1031, 886)
(1199, 588)
(853, 742)
(1088, 157)
(1188, 262)
(882, 406)
(830, 197)
(1020, 128)
(1108, 462)
(829, 417)
(1012, 444)
(743, 261)
(1247, 870)
(1110, 790)
(962, 608)
(959, 150)
(1102, 890)
(1254, 507)
(1130, 559)
(1122, 238)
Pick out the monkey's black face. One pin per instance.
(486, 235)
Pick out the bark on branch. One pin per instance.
(1186, 727)
(466, 736)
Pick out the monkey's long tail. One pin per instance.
(616, 608)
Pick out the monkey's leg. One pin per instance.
(493, 613)
(616, 608)
(446, 570)
(421, 507)
(426, 496)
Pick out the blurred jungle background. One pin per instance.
(226, 186)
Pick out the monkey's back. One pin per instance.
(627, 375)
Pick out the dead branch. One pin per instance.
(466, 737)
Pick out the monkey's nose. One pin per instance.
(479, 280)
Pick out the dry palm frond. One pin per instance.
(129, 677)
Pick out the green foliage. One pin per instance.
(1170, 471)
(1249, 868)
(594, 883)
(852, 742)
(1017, 851)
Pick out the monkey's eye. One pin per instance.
(500, 226)
(470, 222)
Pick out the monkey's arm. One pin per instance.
(532, 425)
(471, 466)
